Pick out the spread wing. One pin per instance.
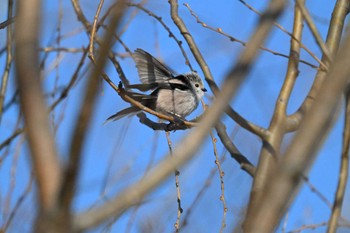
(150, 69)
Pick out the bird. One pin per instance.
(173, 94)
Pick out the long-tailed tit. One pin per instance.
(173, 94)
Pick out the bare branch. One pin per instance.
(222, 184)
(335, 31)
(279, 26)
(42, 146)
(243, 43)
(271, 146)
(314, 31)
(86, 112)
(283, 184)
(344, 169)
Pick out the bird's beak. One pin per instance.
(204, 90)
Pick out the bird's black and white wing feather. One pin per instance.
(150, 69)
(146, 100)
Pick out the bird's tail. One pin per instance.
(125, 112)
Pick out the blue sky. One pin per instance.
(127, 147)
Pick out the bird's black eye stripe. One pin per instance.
(183, 79)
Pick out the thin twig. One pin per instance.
(327, 55)
(279, 26)
(201, 192)
(5, 76)
(243, 43)
(344, 169)
(222, 184)
(177, 185)
(71, 83)
(7, 22)
(18, 204)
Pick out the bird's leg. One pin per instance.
(178, 123)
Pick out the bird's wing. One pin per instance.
(150, 69)
(166, 85)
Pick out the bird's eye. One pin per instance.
(197, 85)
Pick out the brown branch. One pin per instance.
(344, 169)
(283, 184)
(333, 39)
(86, 113)
(41, 142)
(271, 146)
